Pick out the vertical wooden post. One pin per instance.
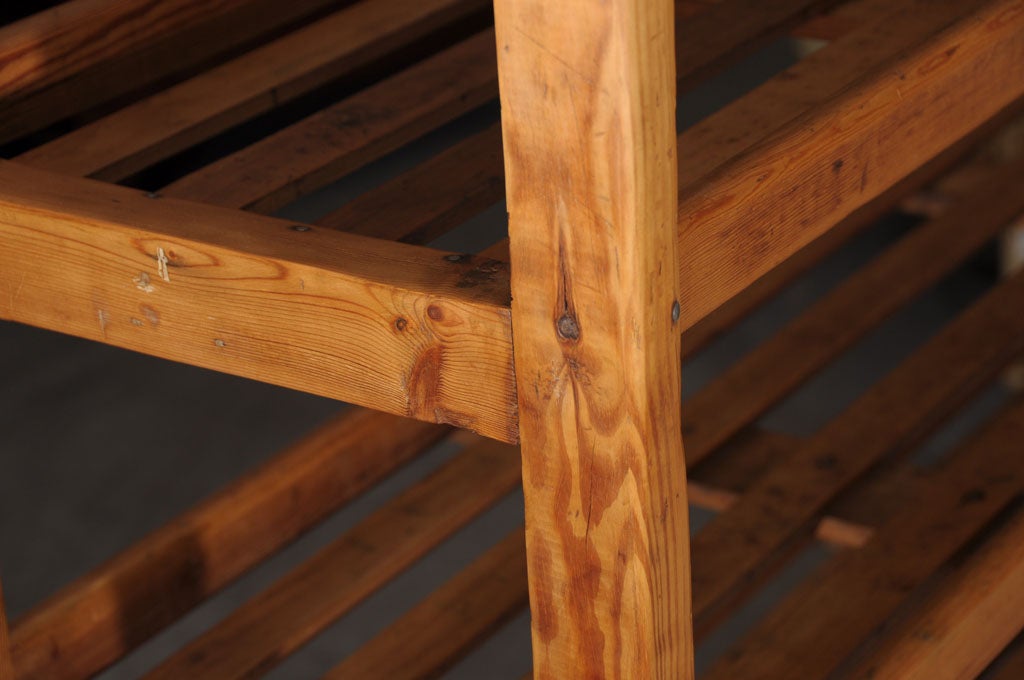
(588, 116)
(6, 667)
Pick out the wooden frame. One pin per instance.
(631, 246)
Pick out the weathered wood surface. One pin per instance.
(72, 57)
(258, 635)
(589, 138)
(110, 611)
(390, 326)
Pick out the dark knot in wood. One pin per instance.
(568, 328)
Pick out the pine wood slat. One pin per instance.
(390, 326)
(962, 626)
(776, 367)
(334, 141)
(592, 121)
(110, 611)
(780, 508)
(750, 214)
(443, 627)
(152, 129)
(833, 611)
(67, 59)
(258, 635)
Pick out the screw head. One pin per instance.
(454, 258)
(675, 311)
(300, 227)
(152, 194)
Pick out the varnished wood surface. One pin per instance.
(69, 58)
(589, 144)
(257, 636)
(965, 622)
(110, 611)
(405, 331)
(154, 128)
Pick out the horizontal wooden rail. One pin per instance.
(828, 615)
(966, 622)
(276, 622)
(763, 205)
(152, 129)
(393, 327)
(67, 59)
(110, 611)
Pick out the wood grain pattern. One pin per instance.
(829, 614)
(780, 508)
(762, 378)
(334, 141)
(390, 326)
(778, 196)
(110, 611)
(152, 129)
(966, 622)
(442, 628)
(258, 635)
(72, 57)
(589, 135)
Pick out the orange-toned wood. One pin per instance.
(589, 138)
(105, 614)
(67, 59)
(390, 326)
(829, 614)
(154, 128)
(1011, 665)
(6, 668)
(257, 636)
(437, 632)
(780, 508)
(966, 622)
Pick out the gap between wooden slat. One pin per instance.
(273, 624)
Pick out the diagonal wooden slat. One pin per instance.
(110, 611)
(828, 615)
(257, 636)
(443, 627)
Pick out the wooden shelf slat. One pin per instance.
(973, 614)
(276, 622)
(110, 611)
(781, 507)
(152, 129)
(829, 614)
(442, 628)
(772, 199)
(390, 326)
(72, 57)
(758, 381)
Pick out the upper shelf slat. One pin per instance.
(394, 327)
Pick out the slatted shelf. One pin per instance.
(925, 566)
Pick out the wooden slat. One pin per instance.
(757, 209)
(828, 615)
(333, 142)
(1011, 665)
(780, 508)
(390, 326)
(67, 59)
(6, 668)
(440, 630)
(919, 260)
(103, 615)
(130, 139)
(257, 636)
(972, 615)
(589, 135)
